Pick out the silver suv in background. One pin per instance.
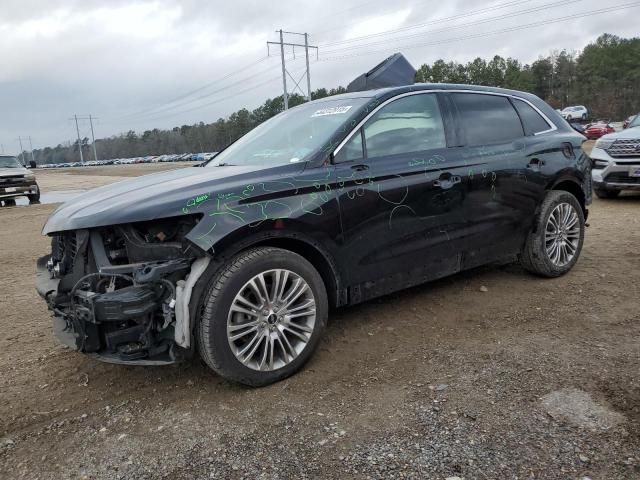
(616, 161)
(16, 180)
(578, 112)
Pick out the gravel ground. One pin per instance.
(488, 374)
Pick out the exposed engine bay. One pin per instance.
(119, 292)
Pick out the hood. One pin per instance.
(13, 171)
(628, 134)
(159, 195)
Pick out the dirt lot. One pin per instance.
(531, 378)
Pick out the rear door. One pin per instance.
(498, 208)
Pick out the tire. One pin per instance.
(35, 198)
(214, 338)
(535, 256)
(606, 193)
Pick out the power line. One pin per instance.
(431, 22)
(201, 97)
(486, 34)
(454, 27)
(197, 90)
(240, 92)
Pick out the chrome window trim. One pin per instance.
(552, 126)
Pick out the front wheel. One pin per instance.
(554, 245)
(35, 198)
(262, 317)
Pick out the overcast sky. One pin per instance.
(123, 61)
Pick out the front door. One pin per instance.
(401, 199)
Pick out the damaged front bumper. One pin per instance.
(127, 313)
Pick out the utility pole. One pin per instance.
(21, 149)
(79, 142)
(31, 148)
(93, 139)
(285, 72)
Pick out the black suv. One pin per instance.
(327, 204)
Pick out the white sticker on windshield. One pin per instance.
(331, 111)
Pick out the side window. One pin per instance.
(407, 125)
(487, 119)
(352, 151)
(533, 122)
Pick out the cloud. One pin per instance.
(122, 61)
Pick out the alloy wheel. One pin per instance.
(562, 234)
(271, 320)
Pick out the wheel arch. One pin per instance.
(573, 187)
(297, 242)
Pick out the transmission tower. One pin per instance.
(285, 72)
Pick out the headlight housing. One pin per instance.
(598, 164)
(603, 143)
(29, 176)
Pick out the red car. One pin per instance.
(598, 129)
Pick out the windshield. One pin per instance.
(291, 136)
(635, 122)
(9, 162)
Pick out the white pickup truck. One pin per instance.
(17, 181)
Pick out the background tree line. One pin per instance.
(605, 77)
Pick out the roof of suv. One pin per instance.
(380, 92)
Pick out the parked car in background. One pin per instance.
(16, 180)
(579, 112)
(331, 203)
(598, 129)
(616, 161)
(628, 121)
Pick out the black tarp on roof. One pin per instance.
(392, 72)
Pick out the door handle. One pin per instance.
(360, 167)
(446, 181)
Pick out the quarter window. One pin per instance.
(532, 120)
(407, 125)
(487, 119)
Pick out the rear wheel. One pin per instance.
(263, 316)
(606, 193)
(554, 245)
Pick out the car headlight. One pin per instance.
(603, 144)
(29, 176)
(598, 164)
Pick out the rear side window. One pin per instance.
(487, 119)
(532, 120)
(407, 125)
